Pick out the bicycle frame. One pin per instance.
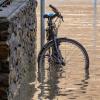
(52, 35)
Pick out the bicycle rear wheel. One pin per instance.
(73, 53)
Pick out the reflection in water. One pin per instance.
(50, 88)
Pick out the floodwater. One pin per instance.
(59, 83)
(74, 83)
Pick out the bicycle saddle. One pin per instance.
(49, 15)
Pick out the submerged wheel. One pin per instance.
(74, 54)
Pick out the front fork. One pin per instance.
(56, 53)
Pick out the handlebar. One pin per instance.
(55, 10)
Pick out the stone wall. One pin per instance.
(4, 62)
(17, 50)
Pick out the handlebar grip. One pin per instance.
(56, 11)
(54, 8)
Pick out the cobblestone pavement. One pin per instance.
(79, 24)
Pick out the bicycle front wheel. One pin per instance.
(73, 53)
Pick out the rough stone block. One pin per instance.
(4, 51)
(4, 36)
(17, 50)
(4, 67)
(4, 24)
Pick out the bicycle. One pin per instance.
(59, 51)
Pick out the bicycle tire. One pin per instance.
(41, 69)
